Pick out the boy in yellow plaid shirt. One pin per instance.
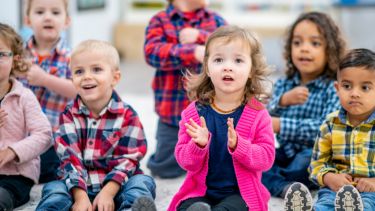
(343, 160)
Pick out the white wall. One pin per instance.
(9, 13)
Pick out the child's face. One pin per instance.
(5, 66)
(229, 66)
(356, 90)
(93, 77)
(196, 4)
(47, 18)
(308, 49)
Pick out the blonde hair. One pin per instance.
(201, 88)
(14, 42)
(101, 47)
(66, 6)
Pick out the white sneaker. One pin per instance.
(348, 199)
(298, 198)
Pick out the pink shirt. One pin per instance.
(254, 154)
(24, 116)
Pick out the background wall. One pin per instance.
(9, 13)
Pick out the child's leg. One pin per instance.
(137, 185)
(233, 202)
(185, 205)
(326, 200)
(368, 200)
(14, 191)
(163, 163)
(55, 196)
(49, 163)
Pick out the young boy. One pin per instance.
(175, 41)
(344, 155)
(100, 141)
(49, 76)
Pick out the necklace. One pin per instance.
(225, 112)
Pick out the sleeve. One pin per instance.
(68, 148)
(39, 128)
(164, 55)
(68, 71)
(203, 35)
(257, 154)
(273, 106)
(321, 160)
(189, 155)
(131, 148)
(307, 129)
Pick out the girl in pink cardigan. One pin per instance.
(226, 139)
(20, 115)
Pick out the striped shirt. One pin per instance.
(170, 58)
(93, 151)
(341, 147)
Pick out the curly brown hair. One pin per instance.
(331, 33)
(14, 42)
(201, 88)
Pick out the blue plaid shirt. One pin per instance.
(299, 124)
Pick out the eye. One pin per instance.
(347, 86)
(2, 54)
(96, 69)
(78, 72)
(39, 12)
(316, 44)
(56, 13)
(296, 43)
(239, 61)
(218, 60)
(365, 88)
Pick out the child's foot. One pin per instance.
(143, 203)
(199, 206)
(348, 199)
(298, 198)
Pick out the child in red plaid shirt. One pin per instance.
(175, 40)
(100, 140)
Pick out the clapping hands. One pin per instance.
(198, 133)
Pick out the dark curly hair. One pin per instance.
(14, 42)
(332, 34)
(360, 57)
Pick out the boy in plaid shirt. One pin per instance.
(175, 41)
(100, 141)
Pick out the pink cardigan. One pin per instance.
(254, 154)
(24, 116)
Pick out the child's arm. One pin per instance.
(104, 200)
(273, 106)
(81, 200)
(257, 154)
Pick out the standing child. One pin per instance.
(343, 153)
(49, 77)
(20, 115)
(175, 41)
(100, 141)
(303, 98)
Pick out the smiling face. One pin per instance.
(94, 78)
(229, 66)
(47, 18)
(356, 90)
(308, 50)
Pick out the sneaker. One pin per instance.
(199, 206)
(298, 198)
(348, 199)
(143, 203)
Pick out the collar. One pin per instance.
(172, 11)
(343, 119)
(59, 48)
(321, 82)
(17, 87)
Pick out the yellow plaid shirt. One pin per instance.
(342, 148)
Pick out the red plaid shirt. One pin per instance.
(93, 151)
(164, 52)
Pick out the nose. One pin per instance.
(227, 67)
(354, 93)
(305, 47)
(87, 75)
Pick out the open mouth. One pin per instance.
(227, 78)
(305, 60)
(48, 27)
(88, 87)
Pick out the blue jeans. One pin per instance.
(326, 200)
(285, 171)
(55, 194)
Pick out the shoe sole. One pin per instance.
(348, 199)
(144, 203)
(199, 206)
(298, 198)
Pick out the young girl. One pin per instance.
(20, 115)
(301, 100)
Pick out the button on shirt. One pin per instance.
(299, 124)
(342, 148)
(93, 151)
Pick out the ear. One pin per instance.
(67, 22)
(15, 58)
(27, 22)
(337, 86)
(71, 78)
(116, 78)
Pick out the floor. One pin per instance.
(135, 89)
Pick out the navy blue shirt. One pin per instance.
(221, 178)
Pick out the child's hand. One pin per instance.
(3, 113)
(276, 124)
(36, 76)
(6, 156)
(199, 53)
(198, 133)
(365, 185)
(296, 96)
(83, 204)
(337, 181)
(103, 202)
(188, 35)
(232, 135)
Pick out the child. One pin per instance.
(20, 115)
(343, 152)
(175, 41)
(49, 77)
(303, 98)
(100, 141)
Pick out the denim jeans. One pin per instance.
(326, 200)
(288, 170)
(55, 194)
